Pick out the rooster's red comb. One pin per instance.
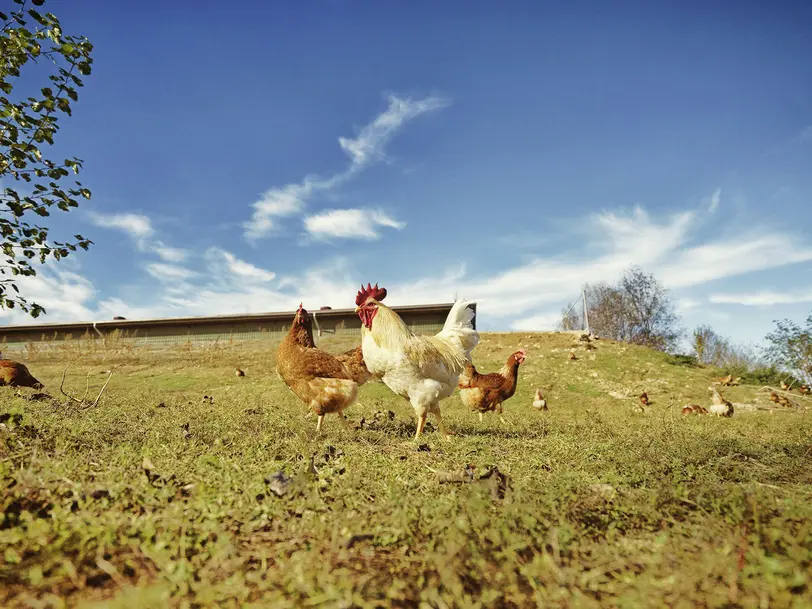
(370, 292)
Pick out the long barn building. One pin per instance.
(422, 319)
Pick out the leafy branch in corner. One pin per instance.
(30, 183)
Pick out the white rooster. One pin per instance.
(422, 369)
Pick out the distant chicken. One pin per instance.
(486, 392)
(644, 399)
(353, 360)
(315, 376)
(781, 400)
(804, 389)
(694, 409)
(572, 356)
(15, 374)
(784, 386)
(539, 403)
(720, 406)
(238, 372)
(726, 380)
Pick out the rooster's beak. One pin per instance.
(357, 309)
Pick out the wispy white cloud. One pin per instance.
(350, 224)
(169, 254)
(764, 298)
(369, 144)
(223, 263)
(363, 150)
(138, 226)
(749, 252)
(685, 304)
(714, 201)
(169, 273)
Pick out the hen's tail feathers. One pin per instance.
(459, 329)
(466, 376)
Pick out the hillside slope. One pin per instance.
(602, 506)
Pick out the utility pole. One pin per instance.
(586, 313)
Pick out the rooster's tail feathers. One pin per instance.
(459, 328)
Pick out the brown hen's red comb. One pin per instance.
(368, 292)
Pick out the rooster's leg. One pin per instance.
(480, 417)
(421, 423)
(318, 425)
(446, 435)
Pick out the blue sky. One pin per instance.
(249, 158)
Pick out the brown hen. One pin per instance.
(353, 360)
(486, 392)
(315, 376)
(15, 374)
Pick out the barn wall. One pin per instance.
(427, 319)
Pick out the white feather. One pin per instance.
(459, 329)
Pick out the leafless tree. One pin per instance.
(636, 310)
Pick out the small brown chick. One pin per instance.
(804, 389)
(694, 409)
(572, 356)
(726, 380)
(784, 386)
(774, 397)
(238, 372)
(539, 403)
(644, 399)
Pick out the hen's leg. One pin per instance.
(318, 425)
(501, 411)
(344, 421)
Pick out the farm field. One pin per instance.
(159, 497)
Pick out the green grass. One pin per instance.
(604, 506)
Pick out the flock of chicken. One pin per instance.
(422, 369)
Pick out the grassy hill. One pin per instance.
(602, 505)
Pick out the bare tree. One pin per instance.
(714, 349)
(709, 347)
(636, 310)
